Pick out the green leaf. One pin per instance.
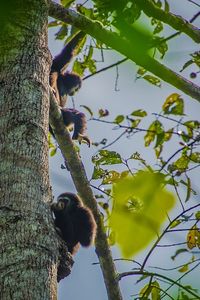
(145, 291)
(62, 33)
(111, 177)
(53, 23)
(53, 151)
(92, 66)
(195, 157)
(79, 67)
(175, 223)
(154, 130)
(141, 71)
(155, 291)
(98, 173)
(197, 215)
(166, 8)
(153, 80)
(66, 3)
(186, 65)
(139, 113)
(184, 268)
(162, 47)
(179, 251)
(181, 164)
(119, 119)
(168, 134)
(134, 122)
(188, 189)
(141, 205)
(105, 157)
(173, 105)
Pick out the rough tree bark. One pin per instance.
(28, 258)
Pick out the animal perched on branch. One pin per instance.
(64, 83)
(75, 222)
(77, 119)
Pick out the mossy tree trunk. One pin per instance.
(28, 257)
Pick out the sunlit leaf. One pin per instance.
(155, 292)
(184, 268)
(98, 173)
(139, 113)
(168, 134)
(175, 223)
(111, 177)
(88, 12)
(66, 3)
(158, 150)
(155, 130)
(119, 119)
(145, 291)
(174, 105)
(105, 157)
(141, 205)
(192, 237)
(53, 151)
(181, 164)
(195, 157)
(62, 33)
(79, 67)
(53, 23)
(134, 122)
(162, 47)
(141, 71)
(197, 215)
(153, 80)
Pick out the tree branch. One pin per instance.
(123, 46)
(177, 22)
(80, 180)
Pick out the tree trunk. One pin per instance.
(28, 257)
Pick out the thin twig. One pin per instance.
(106, 68)
(149, 274)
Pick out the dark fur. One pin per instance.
(78, 120)
(75, 221)
(65, 83)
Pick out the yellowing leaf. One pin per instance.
(140, 207)
(184, 268)
(192, 237)
(145, 291)
(175, 223)
(155, 292)
(174, 105)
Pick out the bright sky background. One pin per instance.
(85, 281)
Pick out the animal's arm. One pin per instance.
(61, 61)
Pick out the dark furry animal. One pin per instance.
(65, 83)
(68, 83)
(75, 222)
(77, 119)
